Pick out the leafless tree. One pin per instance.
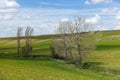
(77, 39)
(28, 42)
(82, 36)
(63, 41)
(19, 33)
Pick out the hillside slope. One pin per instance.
(104, 63)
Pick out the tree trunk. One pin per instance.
(70, 51)
(18, 49)
(79, 62)
(65, 52)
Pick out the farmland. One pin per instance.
(104, 62)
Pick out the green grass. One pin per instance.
(104, 63)
(108, 45)
(43, 69)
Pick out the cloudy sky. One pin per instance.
(43, 15)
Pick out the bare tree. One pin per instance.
(63, 41)
(77, 39)
(19, 33)
(82, 38)
(28, 42)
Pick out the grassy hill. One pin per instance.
(104, 63)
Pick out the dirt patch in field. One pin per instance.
(15, 41)
(40, 41)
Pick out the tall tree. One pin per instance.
(19, 33)
(62, 29)
(28, 42)
(82, 31)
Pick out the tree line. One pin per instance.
(75, 43)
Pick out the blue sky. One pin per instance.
(44, 15)
(75, 4)
(65, 4)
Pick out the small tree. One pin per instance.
(19, 33)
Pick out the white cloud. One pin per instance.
(94, 20)
(110, 10)
(118, 22)
(87, 2)
(5, 17)
(97, 1)
(101, 1)
(5, 4)
(118, 17)
(7, 8)
(44, 20)
(117, 27)
(64, 19)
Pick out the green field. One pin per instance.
(104, 62)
